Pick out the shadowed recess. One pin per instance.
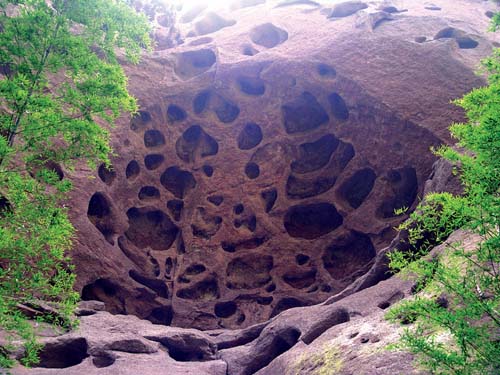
(403, 191)
(99, 214)
(153, 138)
(205, 290)
(192, 63)
(251, 85)
(303, 114)
(133, 169)
(175, 113)
(269, 197)
(140, 121)
(63, 354)
(178, 181)
(150, 227)
(250, 136)
(358, 187)
(268, 35)
(311, 221)
(107, 175)
(149, 192)
(347, 255)
(153, 161)
(195, 143)
(249, 271)
(225, 309)
(315, 155)
(338, 107)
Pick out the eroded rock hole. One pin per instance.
(248, 244)
(249, 271)
(192, 63)
(326, 71)
(5, 206)
(312, 221)
(250, 136)
(338, 107)
(404, 189)
(179, 182)
(161, 315)
(175, 207)
(251, 85)
(285, 304)
(269, 197)
(300, 279)
(39, 166)
(347, 255)
(238, 209)
(466, 42)
(204, 224)
(153, 161)
(195, 143)
(211, 23)
(106, 291)
(153, 138)
(315, 155)
(176, 113)
(150, 227)
(102, 360)
(200, 101)
(208, 170)
(248, 50)
(302, 259)
(226, 111)
(63, 354)
(205, 290)
(268, 35)
(140, 121)
(133, 169)
(303, 114)
(252, 170)
(216, 200)
(99, 214)
(225, 309)
(107, 175)
(347, 9)
(148, 193)
(358, 187)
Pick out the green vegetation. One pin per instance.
(456, 313)
(61, 90)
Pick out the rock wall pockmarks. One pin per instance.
(263, 171)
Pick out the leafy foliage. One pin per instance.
(456, 313)
(62, 89)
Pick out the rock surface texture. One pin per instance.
(244, 225)
(346, 337)
(270, 152)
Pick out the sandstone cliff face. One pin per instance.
(270, 152)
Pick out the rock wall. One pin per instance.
(270, 152)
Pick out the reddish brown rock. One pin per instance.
(264, 167)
